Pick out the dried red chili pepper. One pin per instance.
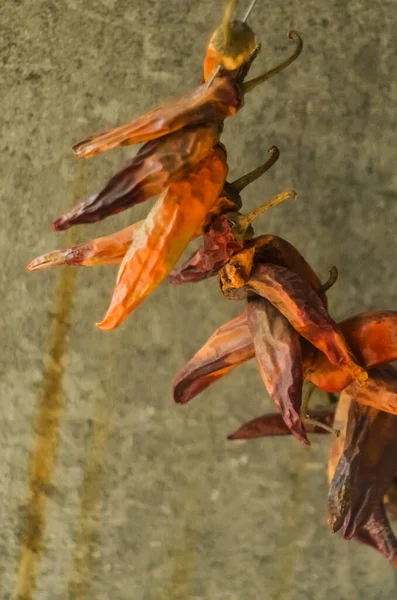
(273, 424)
(378, 534)
(275, 250)
(173, 222)
(201, 106)
(361, 468)
(146, 175)
(219, 244)
(229, 346)
(366, 467)
(298, 302)
(279, 356)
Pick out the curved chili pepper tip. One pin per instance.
(108, 250)
(51, 259)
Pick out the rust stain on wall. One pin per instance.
(46, 427)
(88, 521)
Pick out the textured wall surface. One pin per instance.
(108, 489)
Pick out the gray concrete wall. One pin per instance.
(109, 490)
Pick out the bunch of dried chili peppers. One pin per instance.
(285, 322)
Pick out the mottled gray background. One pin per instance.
(133, 496)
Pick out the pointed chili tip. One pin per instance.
(60, 224)
(37, 263)
(180, 396)
(240, 434)
(107, 324)
(51, 259)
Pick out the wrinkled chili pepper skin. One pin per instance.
(279, 357)
(108, 250)
(365, 469)
(229, 346)
(235, 274)
(276, 250)
(371, 335)
(146, 175)
(298, 302)
(173, 222)
(378, 534)
(379, 392)
(202, 105)
(273, 424)
(219, 244)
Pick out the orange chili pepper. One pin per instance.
(108, 250)
(379, 392)
(371, 335)
(160, 241)
(202, 105)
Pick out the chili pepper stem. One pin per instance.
(246, 220)
(307, 419)
(333, 276)
(248, 86)
(244, 69)
(242, 182)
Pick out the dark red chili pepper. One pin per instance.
(279, 356)
(146, 175)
